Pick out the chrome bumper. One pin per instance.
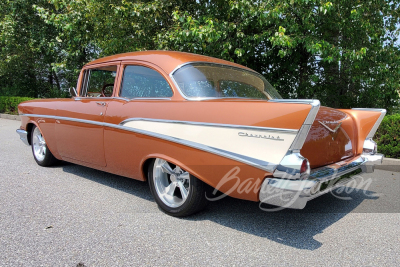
(295, 193)
(23, 135)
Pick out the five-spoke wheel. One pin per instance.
(172, 185)
(38, 145)
(41, 153)
(176, 191)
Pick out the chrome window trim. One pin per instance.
(85, 82)
(263, 165)
(378, 121)
(146, 98)
(208, 98)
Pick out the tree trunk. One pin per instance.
(57, 81)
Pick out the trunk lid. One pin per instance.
(329, 139)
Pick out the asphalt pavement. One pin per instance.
(68, 215)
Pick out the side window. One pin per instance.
(140, 81)
(99, 82)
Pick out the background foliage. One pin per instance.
(343, 52)
(9, 104)
(388, 136)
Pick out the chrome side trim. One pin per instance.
(378, 121)
(263, 165)
(305, 128)
(67, 119)
(289, 167)
(149, 98)
(213, 125)
(23, 135)
(160, 120)
(371, 109)
(122, 98)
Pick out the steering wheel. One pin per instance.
(103, 90)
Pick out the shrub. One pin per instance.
(9, 104)
(388, 136)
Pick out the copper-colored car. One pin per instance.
(187, 123)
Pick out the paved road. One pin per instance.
(68, 214)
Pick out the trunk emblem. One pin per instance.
(328, 128)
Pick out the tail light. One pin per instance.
(305, 169)
(293, 166)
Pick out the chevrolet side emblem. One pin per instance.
(329, 129)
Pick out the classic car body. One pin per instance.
(282, 152)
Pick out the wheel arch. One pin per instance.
(147, 160)
(29, 127)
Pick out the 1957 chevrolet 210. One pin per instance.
(186, 123)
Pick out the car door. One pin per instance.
(143, 92)
(79, 125)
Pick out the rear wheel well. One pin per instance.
(145, 168)
(29, 127)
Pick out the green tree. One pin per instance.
(27, 54)
(343, 52)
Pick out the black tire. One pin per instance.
(195, 201)
(47, 159)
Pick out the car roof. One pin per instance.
(167, 60)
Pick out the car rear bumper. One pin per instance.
(296, 193)
(23, 135)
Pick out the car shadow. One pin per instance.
(295, 228)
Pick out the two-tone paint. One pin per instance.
(206, 137)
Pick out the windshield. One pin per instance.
(222, 81)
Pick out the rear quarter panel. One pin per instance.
(126, 151)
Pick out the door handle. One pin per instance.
(101, 103)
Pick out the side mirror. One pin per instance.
(72, 92)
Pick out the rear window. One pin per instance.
(199, 80)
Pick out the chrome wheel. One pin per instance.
(39, 145)
(172, 184)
